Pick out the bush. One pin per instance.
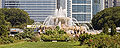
(24, 35)
(61, 32)
(103, 41)
(35, 39)
(84, 37)
(56, 34)
(113, 29)
(105, 29)
(7, 40)
(58, 37)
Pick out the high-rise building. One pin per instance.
(0, 3)
(82, 10)
(117, 2)
(111, 3)
(98, 5)
(69, 8)
(38, 10)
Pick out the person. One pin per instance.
(43, 31)
(71, 31)
(75, 32)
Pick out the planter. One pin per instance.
(54, 41)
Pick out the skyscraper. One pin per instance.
(111, 3)
(69, 8)
(38, 10)
(0, 3)
(98, 5)
(82, 10)
(117, 3)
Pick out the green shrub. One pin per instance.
(24, 35)
(61, 32)
(57, 34)
(58, 37)
(7, 40)
(57, 28)
(105, 28)
(49, 32)
(46, 37)
(113, 29)
(35, 39)
(84, 37)
(103, 41)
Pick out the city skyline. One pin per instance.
(38, 10)
(81, 10)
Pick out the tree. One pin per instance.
(108, 15)
(4, 25)
(105, 29)
(16, 16)
(2, 19)
(113, 29)
(3, 30)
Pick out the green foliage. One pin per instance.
(84, 37)
(113, 29)
(56, 34)
(50, 32)
(108, 16)
(103, 41)
(57, 28)
(105, 29)
(61, 32)
(7, 40)
(25, 34)
(2, 19)
(15, 16)
(58, 37)
(3, 30)
(33, 38)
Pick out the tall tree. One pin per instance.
(16, 16)
(3, 25)
(108, 16)
(113, 29)
(105, 28)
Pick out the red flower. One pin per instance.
(91, 40)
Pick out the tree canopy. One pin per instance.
(15, 16)
(107, 16)
(12, 17)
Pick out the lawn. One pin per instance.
(43, 45)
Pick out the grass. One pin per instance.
(43, 45)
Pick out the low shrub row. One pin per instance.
(102, 41)
(7, 40)
(27, 36)
(56, 34)
(58, 37)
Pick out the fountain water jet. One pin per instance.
(59, 19)
(66, 23)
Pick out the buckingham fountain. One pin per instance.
(65, 23)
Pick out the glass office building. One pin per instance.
(98, 5)
(82, 10)
(38, 10)
(111, 3)
(69, 8)
(117, 2)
